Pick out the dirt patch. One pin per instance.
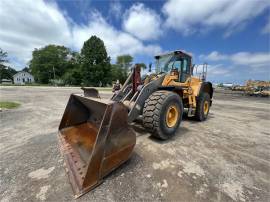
(225, 158)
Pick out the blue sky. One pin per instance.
(232, 36)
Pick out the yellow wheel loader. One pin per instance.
(96, 135)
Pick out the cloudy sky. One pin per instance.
(232, 36)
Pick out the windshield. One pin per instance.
(161, 63)
(166, 63)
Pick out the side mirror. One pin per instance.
(150, 67)
(192, 68)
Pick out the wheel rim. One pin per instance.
(206, 107)
(172, 116)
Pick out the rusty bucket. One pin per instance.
(94, 138)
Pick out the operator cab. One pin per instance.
(177, 63)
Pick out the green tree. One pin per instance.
(26, 69)
(118, 73)
(73, 74)
(96, 68)
(125, 62)
(50, 62)
(5, 71)
(3, 57)
(73, 77)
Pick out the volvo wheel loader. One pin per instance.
(96, 135)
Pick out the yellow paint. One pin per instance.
(172, 116)
(205, 107)
(192, 84)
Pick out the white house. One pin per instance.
(23, 77)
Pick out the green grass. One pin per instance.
(9, 105)
(50, 85)
(29, 84)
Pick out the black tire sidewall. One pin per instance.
(172, 99)
(204, 97)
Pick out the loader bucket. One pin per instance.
(94, 139)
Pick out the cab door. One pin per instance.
(182, 65)
(185, 70)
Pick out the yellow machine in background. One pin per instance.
(257, 88)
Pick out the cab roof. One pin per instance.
(175, 52)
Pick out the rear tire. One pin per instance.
(162, 114)
(202, 107)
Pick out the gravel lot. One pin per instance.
(225, 158)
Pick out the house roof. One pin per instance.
(22, 72)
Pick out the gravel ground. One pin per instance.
(225, 158)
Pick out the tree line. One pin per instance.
(54, 64)
(6, 72)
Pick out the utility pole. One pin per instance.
(53, 76)
(124, 66)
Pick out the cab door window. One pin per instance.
(185, 66)
(175, 63)
(179, 63)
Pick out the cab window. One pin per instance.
(185, 65)
(179, 63)
(175, 64)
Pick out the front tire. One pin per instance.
(162, 114)
(203, 107)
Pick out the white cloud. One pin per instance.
(25, 26)
(213, 70)
(237, 67)
(214, 56)
(116, 42)
(142, 22)
(219, 70)
(115, 9)
(188, 17)
(266, 29)
(81, 7)
(254, 60)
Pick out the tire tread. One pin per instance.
(151, 112)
